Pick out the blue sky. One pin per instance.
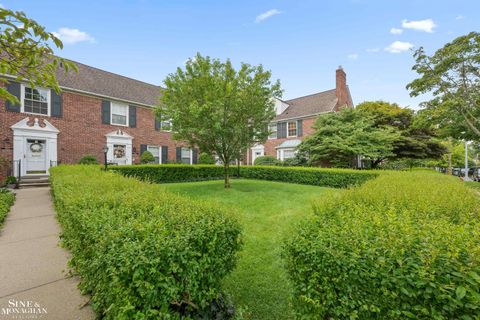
(302, 42)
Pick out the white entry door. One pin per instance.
(258, 151)
(35, 157)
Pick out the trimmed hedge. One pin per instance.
(404, 245)
(173, 172)
(7, 198)
(142, 252)
(336, 178)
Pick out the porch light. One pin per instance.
(105, 150)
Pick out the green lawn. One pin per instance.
(473, 184)
(259, 285)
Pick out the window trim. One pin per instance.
(159, 151)
(111, 113)
(165, 130)
(22, 104)
(270, 136)
(191, 154)
(281, 153)
(296, 129)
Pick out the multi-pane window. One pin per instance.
(119, 114)
(288, 154)
(272, 128)
(155, 151)
(36, 100)
(186, 155)
(292, 129)
(166, 125)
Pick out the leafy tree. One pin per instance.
(147, 157)
(219, 109)
(342, 136)
(26, 52)
(452, 75)
(416, 140)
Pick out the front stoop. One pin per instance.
(34, 181)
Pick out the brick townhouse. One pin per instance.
(95, 108)
(295, 118)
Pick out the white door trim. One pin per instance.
(25, 130)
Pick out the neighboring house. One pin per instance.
(96, 108)
(296, 117)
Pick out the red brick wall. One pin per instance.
(270, 144)
(82, 131)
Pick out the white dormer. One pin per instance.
(280, 106)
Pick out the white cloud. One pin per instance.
(396, 31)
(459, 17)
(426, 25)
(399, 46)
(373, 50)
(353, 56)
(72, 36)
(266, 15)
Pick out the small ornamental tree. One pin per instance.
(27, 53)
(147, 157)
(220, 110)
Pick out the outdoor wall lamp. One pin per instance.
(105, 150)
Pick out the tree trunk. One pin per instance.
(226, 175)
(449, 168)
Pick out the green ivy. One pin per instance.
(402, 246)
(142, 252)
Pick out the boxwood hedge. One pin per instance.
(404, 245)
(141, 252)
(337, 178)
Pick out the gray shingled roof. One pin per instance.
(312, 104)
(109, 84)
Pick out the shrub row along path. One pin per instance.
(33, 267)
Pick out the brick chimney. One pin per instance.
(341, 90)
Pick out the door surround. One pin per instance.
(25, 130)
(120, 138)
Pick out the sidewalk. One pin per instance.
(34, 283)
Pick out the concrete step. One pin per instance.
(33, 185)
(34, 181)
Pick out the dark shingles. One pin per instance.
(309, 105)
(109, 84)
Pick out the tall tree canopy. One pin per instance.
(221, 110)
(375, 130)
(26, 53)
(452, 75)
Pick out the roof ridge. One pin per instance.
(312, 94)
(112, 73)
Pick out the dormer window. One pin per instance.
(36, 100)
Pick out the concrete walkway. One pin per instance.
(33, 267)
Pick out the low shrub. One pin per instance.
(142, 252)
(147, 157)
(265, 161)
(173, 172)
(336, 178)
(88, 159)
(205, 158)
(404, 245)
(6, 201)
(10, 180)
